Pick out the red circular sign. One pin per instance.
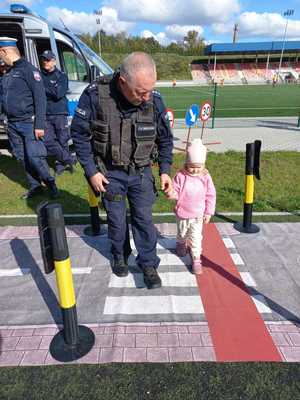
(205, 111)
(170, 116)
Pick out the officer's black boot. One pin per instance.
(151, 278)
(119, 266)
(54, 193)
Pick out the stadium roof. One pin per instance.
(251, 47)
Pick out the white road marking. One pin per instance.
(261, 304)
(162, 244)
(169, 279)
(14, 272)
(27, 271)
(237, 259)
(138, 305)
(247, 279)
(228, 243)
(166, 259)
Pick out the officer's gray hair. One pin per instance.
(134, 62)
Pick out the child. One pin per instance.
(195, 193)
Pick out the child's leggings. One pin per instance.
(190, 230)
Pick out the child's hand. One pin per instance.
(206, 219)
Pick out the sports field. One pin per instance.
(237, 101)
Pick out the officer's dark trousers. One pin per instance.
(140, 191)
(57, 136)
(30, 152)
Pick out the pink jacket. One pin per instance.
(195, 195)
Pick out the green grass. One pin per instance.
(276, 191)
(192, 381)
(237, 101)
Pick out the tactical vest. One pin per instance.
(121, 140)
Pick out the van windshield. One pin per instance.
(95, 59)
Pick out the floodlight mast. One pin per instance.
(287, 14)
(98, 14)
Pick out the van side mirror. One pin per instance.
(94, 72)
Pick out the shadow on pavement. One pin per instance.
(21, 253)
(275, 307)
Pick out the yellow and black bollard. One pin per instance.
(94, 229)
(74, 341)
(252, 170)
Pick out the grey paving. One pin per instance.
(272, 256)
(274, 138)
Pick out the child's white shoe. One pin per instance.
(197, 266)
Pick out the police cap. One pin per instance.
(8, 41)
(48, 55)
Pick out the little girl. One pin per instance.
(195, 193)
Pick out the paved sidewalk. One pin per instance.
(164, 342)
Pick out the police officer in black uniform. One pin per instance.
(118, 124)
(57, 132)
(24, 103)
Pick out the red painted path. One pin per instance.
(237, 329)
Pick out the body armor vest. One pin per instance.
(119, 140)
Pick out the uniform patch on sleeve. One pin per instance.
(80, 111)
(37, 76)
(156, 92)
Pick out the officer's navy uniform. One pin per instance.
(24, 103)
(116, 138)
(57, 132)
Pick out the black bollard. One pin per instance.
(74, 341)
(252, 169)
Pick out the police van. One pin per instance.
(35, 35)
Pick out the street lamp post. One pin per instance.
(98, 14)
(287, 14)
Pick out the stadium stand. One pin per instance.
(248, 63)
(200, 74)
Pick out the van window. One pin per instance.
(71, 60)
(74, 66)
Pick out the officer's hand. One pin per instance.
(166, 183)
(39, 133)
(97, 181)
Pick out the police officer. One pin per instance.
(57, 130)
(24, 103)
(117, 125)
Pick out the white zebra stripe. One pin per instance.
(169, 279)
(145, 305)
(237, 259)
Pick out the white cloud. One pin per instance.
(172, 33)
(268, 25)
(179, 12)
(82, 22)
(160, 37)
(177, 32)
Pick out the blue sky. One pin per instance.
(169, 20)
